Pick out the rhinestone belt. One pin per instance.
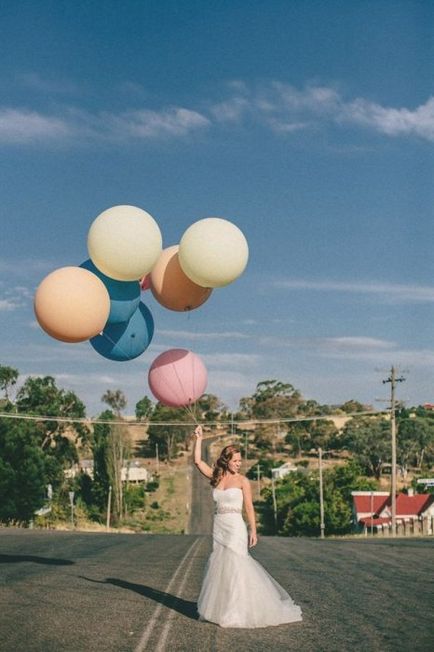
(228, 510)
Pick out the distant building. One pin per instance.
(132, 472)
(281, 471)
(373, 509)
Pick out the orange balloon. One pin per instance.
(171, 287)
(72, 304)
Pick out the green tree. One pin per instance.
(144, 408)
(115, 399)
(167, 437)
(415, 441)
(41, 396)
(8, 378)
(210, 407)
(100, 443)
(24, 472)
(368, 439)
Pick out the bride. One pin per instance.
(237, 591)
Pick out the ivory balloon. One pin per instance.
(72, 304)
(124, 242)
(171, 287)
(213, 252)
(177, 377)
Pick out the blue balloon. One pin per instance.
(126, 341)
(124, 295)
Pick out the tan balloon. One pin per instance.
(72, 304)
(171, 287)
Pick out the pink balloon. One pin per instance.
(145, 282)
(177, 377)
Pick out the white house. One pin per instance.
(279, 472)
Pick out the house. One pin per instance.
(279, 472)
(374, 509)
(131, 472)
(368, 503)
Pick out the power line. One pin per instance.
(240, 422)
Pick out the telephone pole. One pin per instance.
(321, 494)
(393, 379)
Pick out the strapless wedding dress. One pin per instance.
(237, 591)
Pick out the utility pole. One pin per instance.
(393, 380)
(258, 475)
(157, 461)
(273, 491)
(246, 443)
(321, 496)
(109, 508)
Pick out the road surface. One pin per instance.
(77, 592)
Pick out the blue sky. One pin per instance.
(308, 124)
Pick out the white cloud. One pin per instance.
(8, 305)
(191, 335)
(394, 292)
(287, 109)
(24, 126)
(228, 360)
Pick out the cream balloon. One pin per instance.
(124, 242)
(213, 252)
(171, 287)
(72, 304)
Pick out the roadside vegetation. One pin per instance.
(37, 456)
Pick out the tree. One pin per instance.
(100, 443)
(415, 441)
(144, 408)
(354, 406)
(368, 439)
(8, 378)
(298, 508)
(41, 396)
(210, 407)
(167, 437)
(24, 472)
(274, 399)
(115, 399)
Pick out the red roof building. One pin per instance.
(374, 509)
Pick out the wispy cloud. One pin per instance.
(23, 126)
(277, 106)
(394, 292)
(287, 109)
(191, 335)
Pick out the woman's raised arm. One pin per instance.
(201, 465)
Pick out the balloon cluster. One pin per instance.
(100, 299)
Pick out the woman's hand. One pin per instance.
(253, 539)
(198, 432)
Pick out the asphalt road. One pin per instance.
(63, 591)
(201, 512)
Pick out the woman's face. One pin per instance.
(234, 463)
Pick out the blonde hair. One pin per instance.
(222, 464)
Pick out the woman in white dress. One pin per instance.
(237, 591)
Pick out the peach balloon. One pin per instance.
(171, 287)
(72, 304)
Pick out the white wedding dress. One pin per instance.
(237, 591)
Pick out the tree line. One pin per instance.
(35, 454)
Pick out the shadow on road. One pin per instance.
(13, 559)
(184, 607)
